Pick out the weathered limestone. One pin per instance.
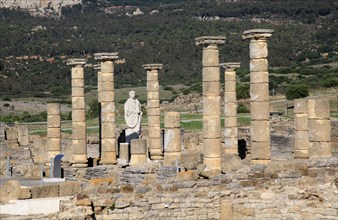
(230, 108)
(23, 135)
(138, 149)
(212, 149)
(319, 128)
(226, 210)
(153, 111)
(107, 99)
(79, 132)
(54, 129)
(301, 137)
(259, 94)
(12, 137)
(124, 152)
(172, 138)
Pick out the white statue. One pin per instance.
(132, 116)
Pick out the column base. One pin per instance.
(171, 157)
(138, 159)
(254, 162)
(301, 154)
(108, 158)
(213, 162)
(230, 151)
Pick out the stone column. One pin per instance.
(138, 149)
(230, 108)
(153, 111)
(172, 138)
(99, 92)
(53, 129)
(319, 128)
(212, 149)
(301, 137)
(107, 99)
(79, 132)
(259, 94)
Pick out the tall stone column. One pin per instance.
(153, 111)
(230, 108)
(172, 138)
(107, 98)
(79, 132)
(301, 137)
(259, 94)
(53, 129)
(212, 148)
(319, 128)
(99, 92)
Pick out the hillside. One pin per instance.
(33, 50)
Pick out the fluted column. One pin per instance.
(301, 137)
(153, 111)
(79, 132)
(107, 98)
(172, 138)
(319, 128)
(230, 108)
(53, 129)
(212, 149)
(259, 95)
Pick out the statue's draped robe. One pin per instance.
(132, 116)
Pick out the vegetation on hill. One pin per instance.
(33, 50)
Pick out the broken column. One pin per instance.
(107, 98)
(301, 137)
(138, 149)
(53, 129)
(319, 128)
(259, 95)
(172, 138)
(153, 111)
(23, 135)
(79, 132)
(230, 108)
(212, 149)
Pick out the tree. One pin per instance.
(296, 91)
(242, 91)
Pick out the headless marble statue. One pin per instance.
(132, 116)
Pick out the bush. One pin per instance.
(242, 109)
(296, 91)
(6, 99)
(168, 88)
(242, 91)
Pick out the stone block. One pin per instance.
(210, 57)
(108, 107)
(108, 117)
(230, 151)
(79, 146)
(211, 105)
(300, 106)
(301, 154)
(171, 157)
(138, 146)
(319, 149)
(70, 188)
(319, 130)
(318, 109)
(212, 148)
(260, 150)
(230, 86)
(108, 158)
(211, 126)
(107, 67)
(230, 132)
(230, 97)
(154, 132)
(54, 144)
(124, 152)
(260, 110)
(45, 191)
(259, 77)
(301, 122)
(79, 130)
(78, 103)
(229, 76)
(52, 154)
(107, 96)
(212, 88)
(258, 50)
(79, 83)
(186, 176)
(78, 91)
(53, 121)
(153, 103)
(231, 162)
(106, 86)
(155, 143)
(53, 133)
(259, 92)
(25, 193)
(12, 133)
(106, 77)
(211, 74)
(108, 130)
(213, 163)
(153, 86)
(108, 144)
(10, 190)
(259, 65)
(156, 157)
(172, 140)
(136, 159)
(77, 73)
(230, 109)
(172, 119)
(230, 122)
(154, 121)
(301, 140)
(260, 131)
(151, 95)
(152, 75)
(153, 111)
(53, 108)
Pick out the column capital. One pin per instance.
(155, 66)
(97, 67)
(257, 34)
(210, 40)
(106, 56)
(76, 62)
(230, 65)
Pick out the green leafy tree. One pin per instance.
(296, 91)
(242, 91)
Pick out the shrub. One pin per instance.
(296, 91)
(242, 109)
